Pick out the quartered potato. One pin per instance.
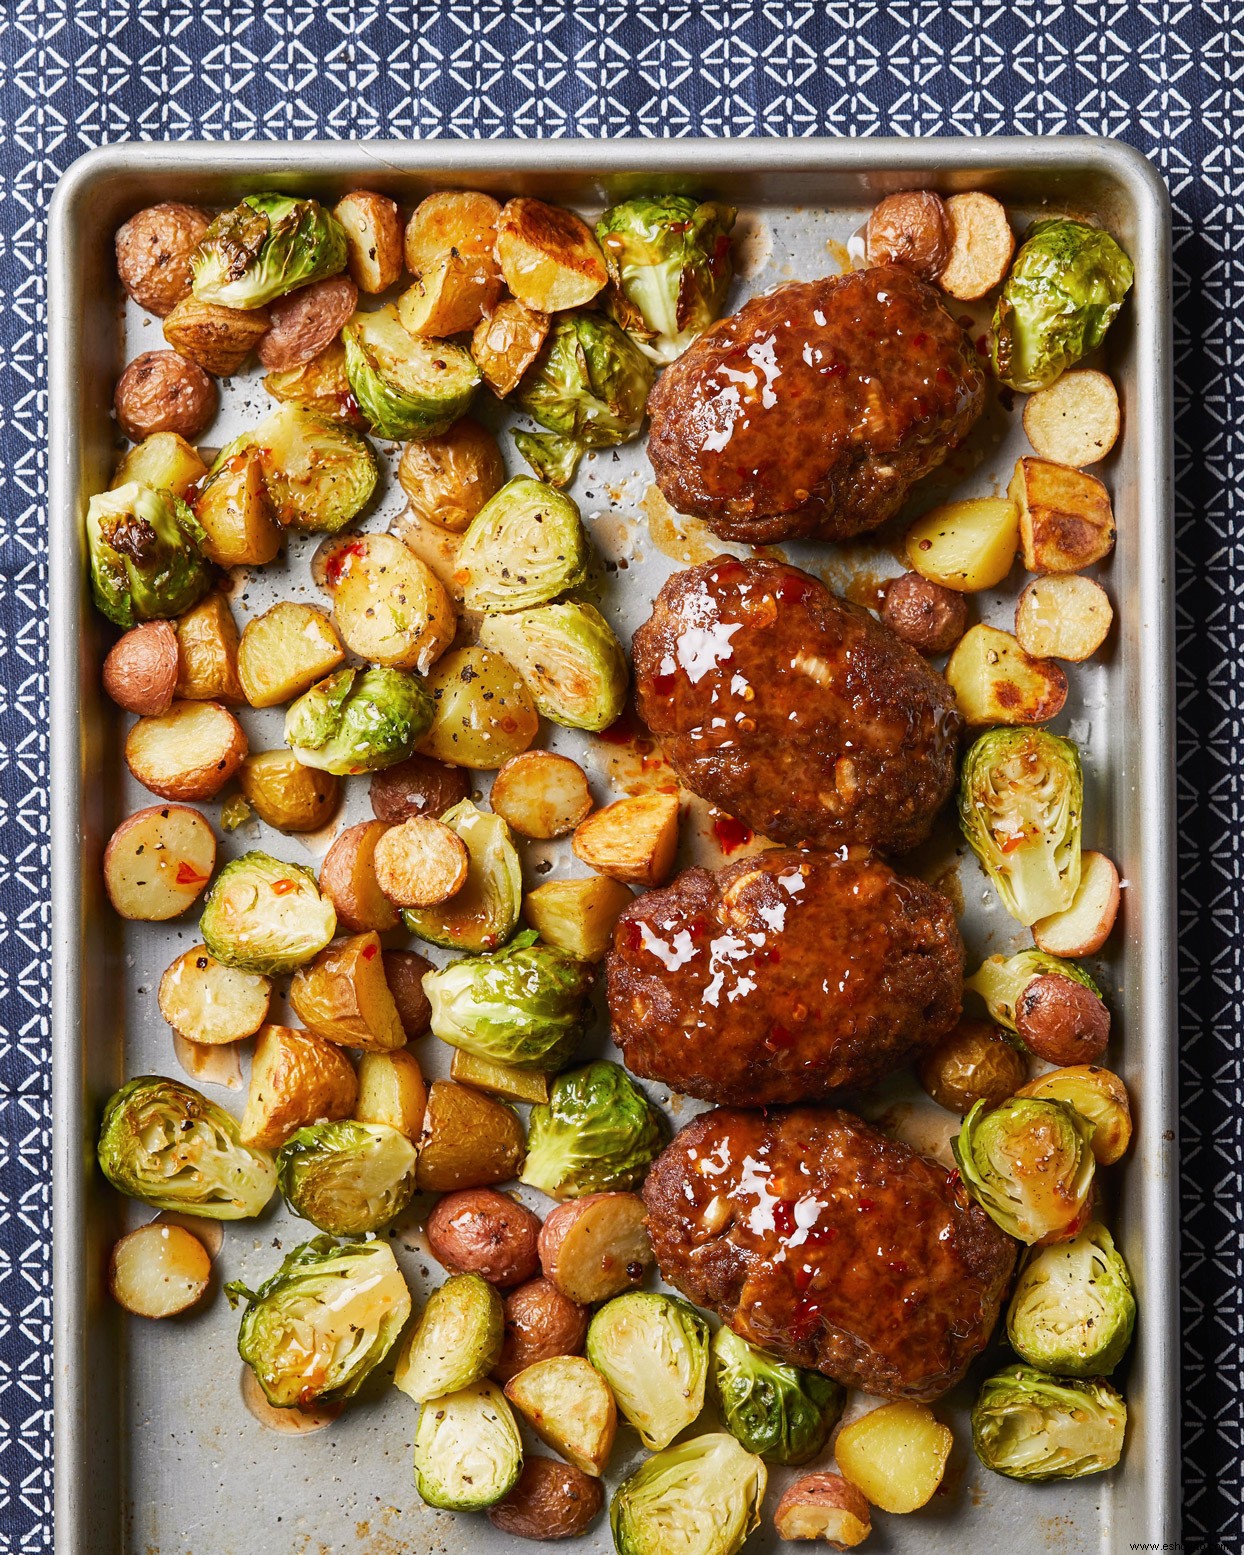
(348, 878)
(158, 1270)
(468, 1140)
(996, 682)
(285, 794)
(541, 794)
(507, 342)
(207, 653)
(392, 1092)
(140, 672)
(344, 997)
(1063, 616)
(217, 338)
(632, 839)
(296, 1078)
(421, 862)
(578, 916)
(1085, 926)
(981, 245)
(965, 546)
(896, 1455)
(504, 1080)
(824, 1507)
(1076, 420)
(1066, 522)
(569, 1406)
(164, 460)
(549, 256)
(373, 229)
(390, 607)
(450, 250)
(207, 1002)
(158, 861)
(236, 514)
(447, 479)
(484, 711)
(285, 651)
(190, 752)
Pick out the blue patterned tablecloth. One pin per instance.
(1161, 74)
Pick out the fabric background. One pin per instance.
(1161, 75)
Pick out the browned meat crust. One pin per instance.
(820, 1239)
(787, 977)
(813, 410)
(792, 710)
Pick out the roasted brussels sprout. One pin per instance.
(318, 472)
(359, 720)
(1065, 287)
(1030, 1426)
(316, 1329)
(406, 386)
(524, 1005)
(468, 1452)
(652, 1350)
(146, 554)
(264, 915)
(347, 1178)
(164, 1143)
(267, 245)
(1029, 1165)
(699, 1498)
(1073, 1310)
(597, 1133)
(456, 1341)
(669, 261)
(574, 666)
(552, 458)
(777, 1410)
(525, 546)
(1021, 798)
(484, 913)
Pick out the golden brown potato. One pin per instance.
(392, 1092)
(578, 916)
(285, 651)
(1066, 522)
(140, 672)
(550, 1501)
(596, 1247)
(981, 245)
(305, 322)
(1084, 927)
(348, 879)
(549, 256)
(217, 339)
(540, 794)
(390, 607)
(236, 514)
(189, 752)
(480, 1231)
(447, 479)
(421, 862)
(158, 1270)
(570, 1407)
(164, 460)
(972, 1063)
(321, 384)
(825, 1507)
(450, 248)
(967, 545)
(469, 1140)
(503, 1080)
(153, 254)
(995, 681)
(158, 861)
(162, 392)
(285, 794)
(1061, 1020)
(539, 1323)
(416, 786)
(463, 219)
(1063, 616)
(296, 1078)
(343, 996)
(929, 616)
(632, 839)
(373, 229)
(1096, 1094)
(909, 229)
(404, 971)
(895, 1455)
(207, 652)
(1076, 420)
(483, 714)
(212, 1004)
(507, 342)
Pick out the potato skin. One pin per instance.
(972, 1063)
(306, 322)
(480, 1231)
(540, 1322)
(551, 1500)
(417, 786)
(140, 672)
(218, 339)
(447, 479)
(909, 229)
(161, 391)
(1062, 1021)
(468, 1141)
(153, 254)
(404, 971)
(926, 615)
(296, 1077)
(347, 879)
(823, 1494)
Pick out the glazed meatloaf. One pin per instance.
(786, 977)
(794, 711)
(830, 1244)
(812, 411)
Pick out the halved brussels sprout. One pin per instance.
(456, 1341)
(484, 913)
(598, 1133)
(1021, 802)
(780, 1411)
(553, 458)
(359, 720)
(406, 386)
(1030, 1426)
(264, 915)
(166, 1144)
(525, 546)
(524, 1005)
(1029, 1164)
(146, 555)
(347, 1178)
(315, 1330)
(699, 1498)
(1073, 1310)
(652, 1350)
(669, 261)
(1001, 979)
(468, 1452)
(267, 245)
(319, 473)
(573, 664)
(1065, 287)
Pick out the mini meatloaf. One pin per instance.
(831, 1245)
(794, 711)
(813, 410)
(786, 977)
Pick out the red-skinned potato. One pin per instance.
(417, 786)
(189, 752)
(348, 878)
(153, 254)
(1085, 926)
(923, 613)
(596, 1247)
(140, 672)
(158, 1270)
(305, 322)
(1061, 1020)
(480, 1231)
(551, 1500)
(161, 391)
(909, 229)
(158, 861)
(540, 1322)
(404, 971)
(825, 1507)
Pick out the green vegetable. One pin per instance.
(456, 1342)
(779, 1411)
(1030, 1426)
(525, 546)
(484, 913)
(699, 1498)
(552, 457)
(264, 915)
(145, 554)
(315, 1330)
(359, 720)
(1021, 802)
(652, 1350)
(266, 246)
(164, 1143)
(669, 260)
(319, 473)
(1073, 1310)
(407, 387)
(234, 812)
(347, 1178)
(1002, 979)
(573, 665)
(1066, 285)
(1028, 1163)
(468, 1452)
(598, 1133)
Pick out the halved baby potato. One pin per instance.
(1066, 522)
(596, 1247)
(348, 879)
(452, 295)
(447, 479)
(965, 546)
(158, 1270)
(996, 682)
(1076, 420)
(421, 862)
(468, 1140)
(373, 229)
(140, 671)
(895, 1455)
(212, 1004)
(207, 652)
(1063, 616)
(507, 342)
(632, 839)
(461, 220)
(392, 1092)
(285, 651)
(285, 794)
(390, 607)
(296, 1078)
(1085, 926)
(981, 245)
(578, 916)
(190, 752)
(570, 1407)
(540, 794)
(158, 861)
(549, 256)
(483, 713)
(236, 514)
(343, 996)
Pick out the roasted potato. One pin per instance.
(420, 862)
(158, 1270)
(236, 515)
(285, 651)
(153, 254)
(540, 794)
(1066, 522)
(480, 1231)
(447, 479)
(296, 1078)
(391, 1091)
(404, 971)
(484, 712)
(207, 652)
(1061, 1020)
(307, 321)
(1076, 420)
(158, 861)
(373, 231)
(348, 879)
(577, 916)
(450, 246)
(468, 1141)
(981, 245)
(503, 1080)
(1085, 926)
(140, 672)
(217, 339)
(570, 1407)
(549, 256)
(824, 1507)
(285, 794)
(550, 1501)
(390, 607)
(1096, 1094)
(162, 392)
(212, 1004)
(344, 996)
(507, 342)
(416, 786)
(965, 546)
(164, 460)
(539, 1323)
(632, 839)
(321, 384)
(895, 1455)
(929, 616)
(909, 229)
(1063, 616)
(972, 1063)
(596, 1247)
(189, 752)
(995, 681)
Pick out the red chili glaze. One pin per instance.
(731, 835)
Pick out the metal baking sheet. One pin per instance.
(156, 1451)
